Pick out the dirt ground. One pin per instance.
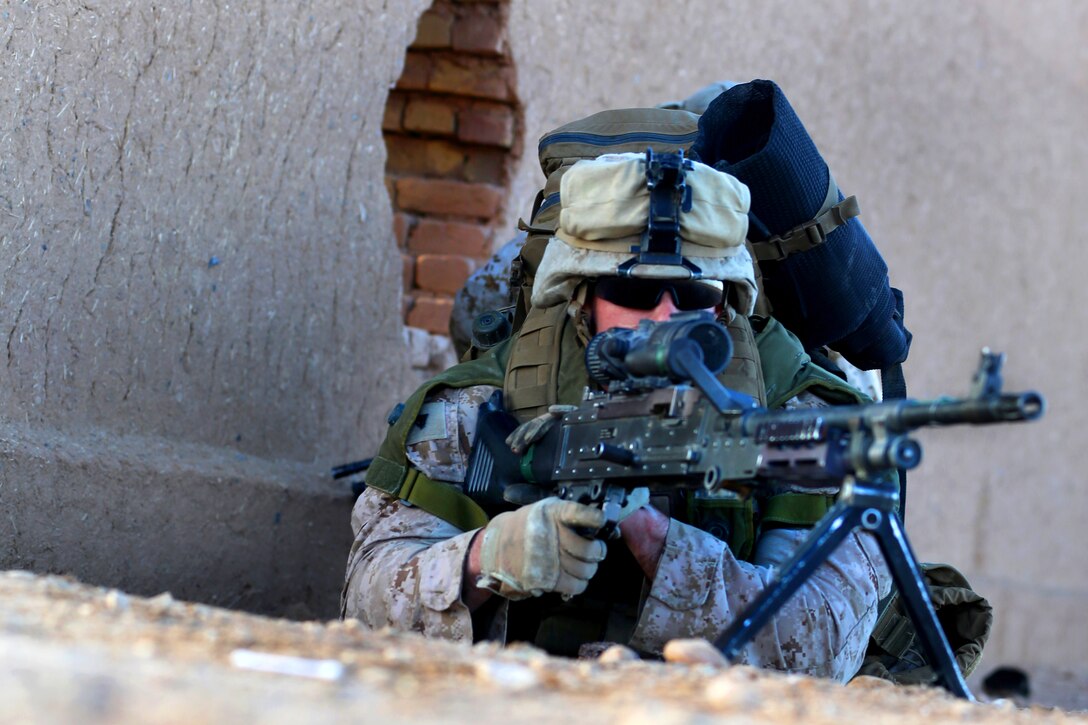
(75, 653)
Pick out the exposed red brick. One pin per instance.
(469, 77)
(493, 127)
(441, 196)
(433, 31)
(432, 314)
(408, 267)
(478, 31)
(430, 116)
(436, 158)
(394, 109)
(424, 157)
(417, 72)
(443, 272)
(402, 226)
(391, 189)
(431, 236)
(485, 164)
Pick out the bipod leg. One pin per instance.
(908, 577)
(828, 533)
(871, 508)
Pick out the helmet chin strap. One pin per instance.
(581, 312)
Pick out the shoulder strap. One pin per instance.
(444, 500)
(390, 471)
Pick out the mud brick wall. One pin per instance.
(450, 130)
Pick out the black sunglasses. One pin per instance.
(645, 294)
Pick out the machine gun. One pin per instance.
(663, 420)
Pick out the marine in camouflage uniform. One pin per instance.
(405, 571)
(407, 567)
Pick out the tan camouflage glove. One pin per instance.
(536, 549)
(533, 430)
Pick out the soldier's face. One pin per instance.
(607, 315)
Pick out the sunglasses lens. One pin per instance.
(695, 296)
(645, 294)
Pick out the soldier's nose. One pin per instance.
(666, 306)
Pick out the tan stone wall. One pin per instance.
(197, 243)
(960, 128)
(197, 287)
(194, 226)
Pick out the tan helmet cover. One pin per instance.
(605, 208)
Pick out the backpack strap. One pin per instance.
(789, 370)
(832, 215)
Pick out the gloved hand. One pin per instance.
(533, 430)
(537, 549)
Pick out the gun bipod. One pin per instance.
(872, 507)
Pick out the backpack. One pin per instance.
(821, 270)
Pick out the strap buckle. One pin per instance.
(805, 236)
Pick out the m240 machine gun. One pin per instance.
(662, 420)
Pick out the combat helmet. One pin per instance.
(648, 216)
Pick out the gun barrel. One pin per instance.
(1005, 408)
(898, 416)
(350, 469)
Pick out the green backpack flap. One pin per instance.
(616, 131)
(965, 616)
(788, 370)
(390, 471)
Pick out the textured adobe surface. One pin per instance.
(195, 237)
(197, 253)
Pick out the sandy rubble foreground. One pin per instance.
(75, 653)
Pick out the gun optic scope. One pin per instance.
(656, 349)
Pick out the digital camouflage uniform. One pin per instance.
(405, 571)
(406, 566)
(486, 289)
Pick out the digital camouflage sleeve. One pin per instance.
(405, 571)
